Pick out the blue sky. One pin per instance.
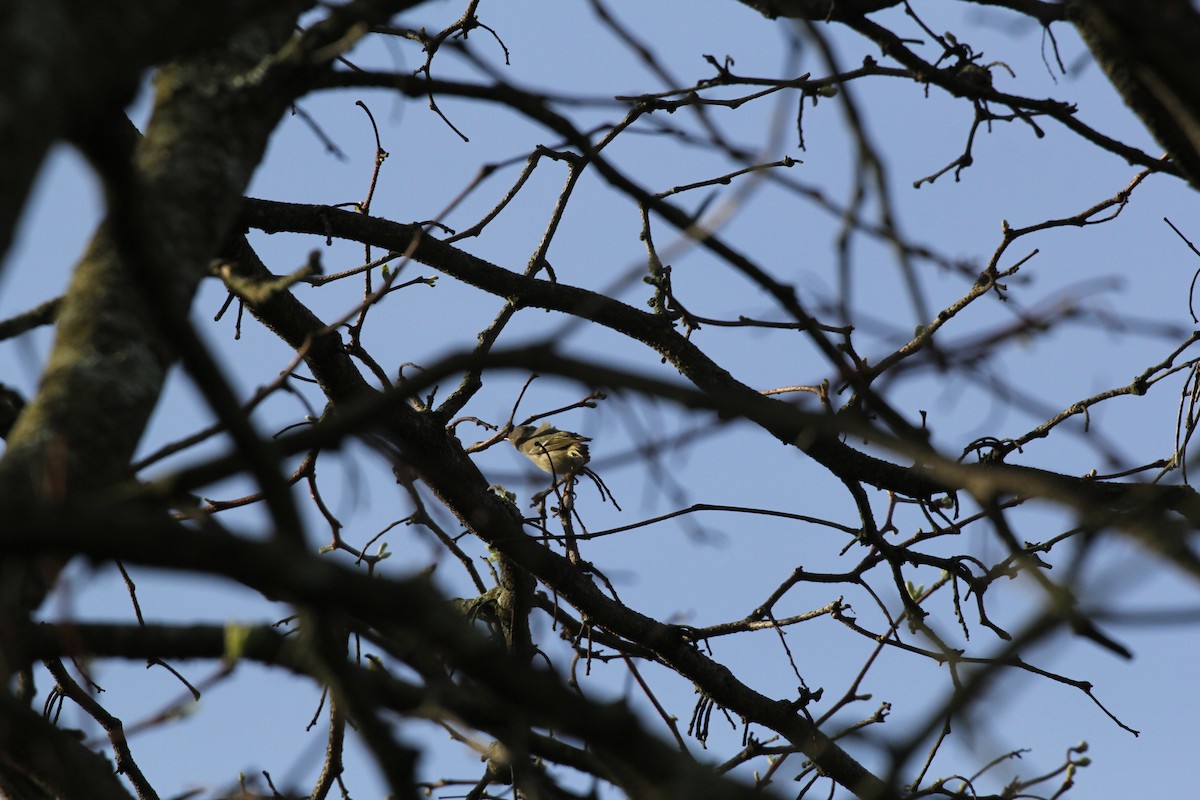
(713, 567)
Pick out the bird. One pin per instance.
(554, 451)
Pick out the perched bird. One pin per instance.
(555, 451)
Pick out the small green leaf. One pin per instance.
(236, 636)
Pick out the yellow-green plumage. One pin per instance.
(559, 452)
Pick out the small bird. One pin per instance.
(558, 452)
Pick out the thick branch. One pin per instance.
(1151, 53)
(652, 330)
(64, 64)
